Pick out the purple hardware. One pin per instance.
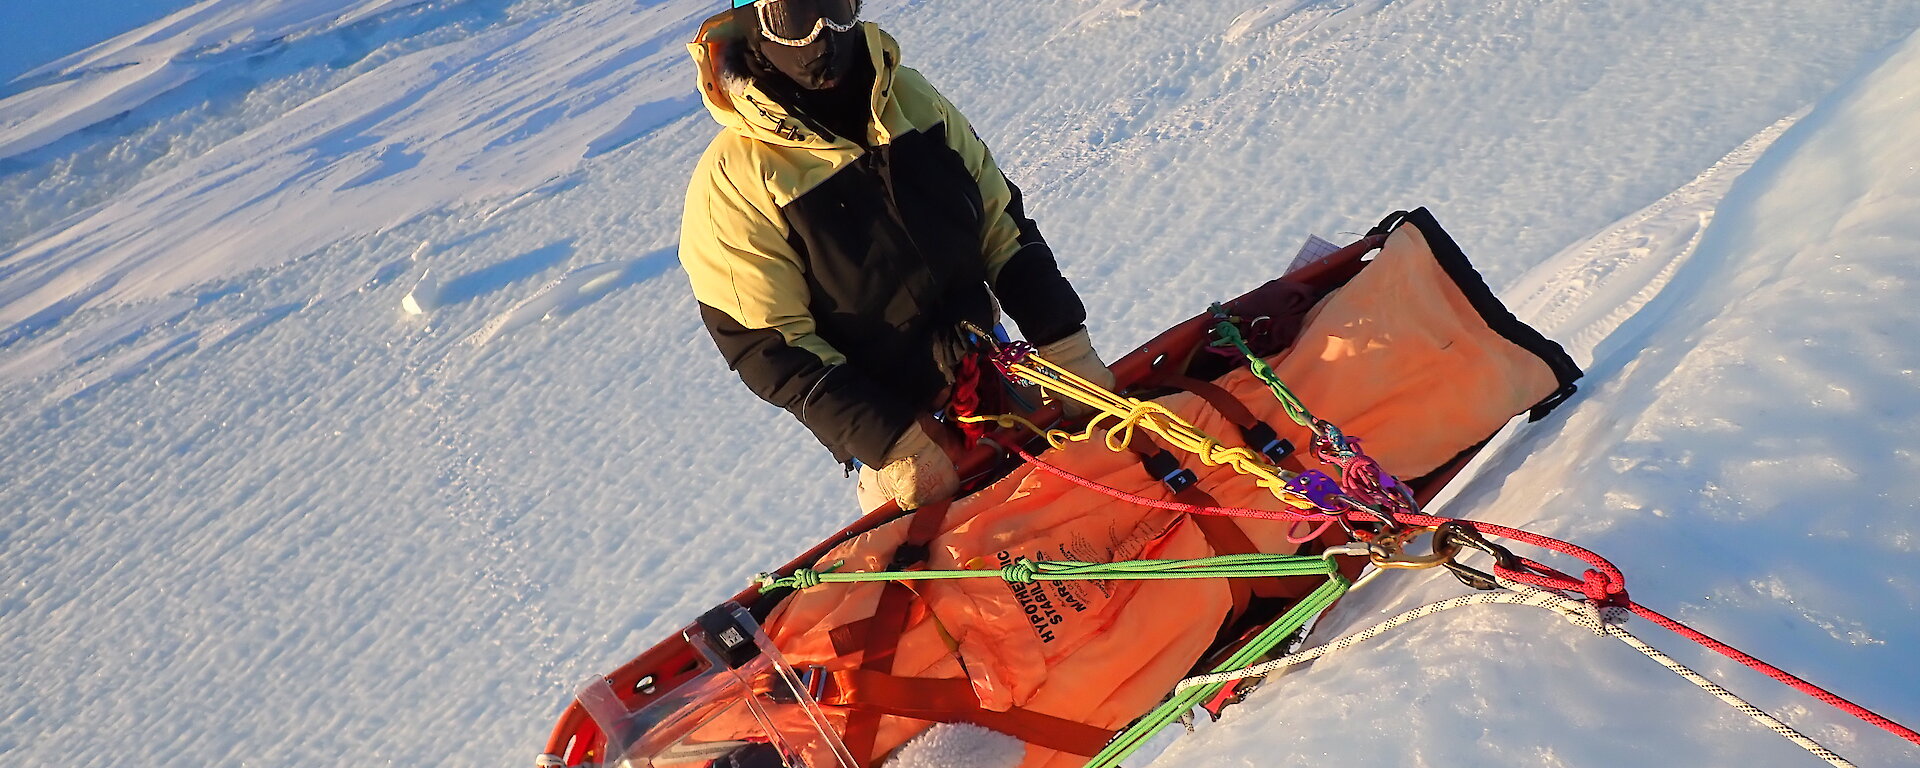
(1010, 355)
(1365, 481)
(1389, 483)
(1317, 487)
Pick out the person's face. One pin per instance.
(817, 65)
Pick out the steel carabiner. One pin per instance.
(1390, 551)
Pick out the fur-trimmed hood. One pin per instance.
(738, 103)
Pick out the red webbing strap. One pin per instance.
(1225, 538)
(965, 400)
(1221, 532)
(926, 524)
(888, 622)
(851, 638)
(952, 700)
(1215, 395)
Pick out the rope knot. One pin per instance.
(1020, 571)
(1120, 435)
(1602, 590)
(804, 578)
(1596, 618)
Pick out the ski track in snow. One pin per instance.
(1582, 295)
(1683, 461)
(260, 511)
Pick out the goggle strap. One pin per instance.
(763, 10)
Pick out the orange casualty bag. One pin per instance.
(1412, 354)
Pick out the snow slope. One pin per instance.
(37, 33)
(257, 512)
(1745, 450)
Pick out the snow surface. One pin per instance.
(354, 408)
(36, 33)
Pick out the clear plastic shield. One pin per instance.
(744, 700)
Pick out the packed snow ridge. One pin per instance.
(355, 407)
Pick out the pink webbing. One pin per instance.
(1175, 506)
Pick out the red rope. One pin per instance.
(1776, 673)
(967, 399)
(1603, 584)
(1606, 585)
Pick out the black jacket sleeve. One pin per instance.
(1031, 288)
(845, 411)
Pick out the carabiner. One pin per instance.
(1467, 536)
(1472, 577)
(1390, 551)
(1387, 523)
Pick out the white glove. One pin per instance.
(1075, 353)
(917, 471)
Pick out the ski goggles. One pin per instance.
(797, 23)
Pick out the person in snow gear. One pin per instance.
(1006, 610)
(842, 231)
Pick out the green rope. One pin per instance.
(1184, 701)
(1296, 410)
(1025, 571)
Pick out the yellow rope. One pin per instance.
(1129, 414)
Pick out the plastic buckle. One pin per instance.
(815, 678)
(1277, 450)
(1180, 480)
(731, 640)
(1164, 467)
(1271, 445)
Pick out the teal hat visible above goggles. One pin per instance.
(798, 23)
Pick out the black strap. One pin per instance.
(1259, 435)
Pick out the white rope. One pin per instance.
(1581, 613)
(1302, 657)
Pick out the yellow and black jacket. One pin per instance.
(833, 273)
